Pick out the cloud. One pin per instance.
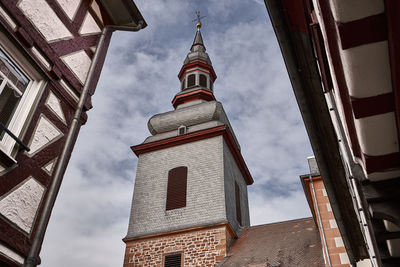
(139, 80)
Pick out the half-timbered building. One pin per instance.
(51, 56)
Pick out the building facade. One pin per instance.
(51, 54)
(343, 61)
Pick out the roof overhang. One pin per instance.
(123, 12)
(291, 28)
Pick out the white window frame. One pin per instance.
(33, 91)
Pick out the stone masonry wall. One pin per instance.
(203, 247)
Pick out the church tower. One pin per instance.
(190, 197)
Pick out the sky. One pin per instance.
(139, 79)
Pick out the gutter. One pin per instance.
(33, 257)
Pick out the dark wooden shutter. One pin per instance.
(238, 210)
(172, 260)
(176, 190)
(191, 80)
(203, 80)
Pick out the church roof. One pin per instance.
(290, 243)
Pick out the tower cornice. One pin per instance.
(198, 63)
(192, 95)
(196, 136)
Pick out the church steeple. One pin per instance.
(191, 179)
(197, 75)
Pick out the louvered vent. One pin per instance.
(172, 260)
(203, 80)
(238, 209)
(191, 80)
(176, 190)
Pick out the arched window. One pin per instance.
(191, 80)
(176, 189)
(183, 84)
(203, 80)
(211, 85)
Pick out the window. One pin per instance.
(238, 208)
(20, 86)
(203, 80)
(182, 130)
(176, 189)
(173, 260)
(191, 80)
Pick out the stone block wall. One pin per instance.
(199, 247)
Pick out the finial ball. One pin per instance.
(198, 25)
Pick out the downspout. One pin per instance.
(33, 257)
(320, 222)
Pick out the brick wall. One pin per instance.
(198, 247)
(336, 249)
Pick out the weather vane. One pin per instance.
(198, 19)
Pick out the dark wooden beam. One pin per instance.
(389, 211)
(374, 105)
(387, 236)
(363, 31)
(382, 162)
(382, 190)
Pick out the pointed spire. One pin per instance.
(197, 74)
(198, 39)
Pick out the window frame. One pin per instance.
(29, 100)
(173, 202)
(238, 205)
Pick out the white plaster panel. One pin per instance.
(45, 132)
(49, 167)
(377, 134)
(7, 18)
(97, 10)
(333, 224)
(364, 263)
(20, 206)
(345, 10)
(69, 7)
(79, 63)
(44, 19)
(344, 259)
(11, 254)
(367, 69)
(89, 25)
(394, 247)
(53, 103)
(391, 227)
(339, 242)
